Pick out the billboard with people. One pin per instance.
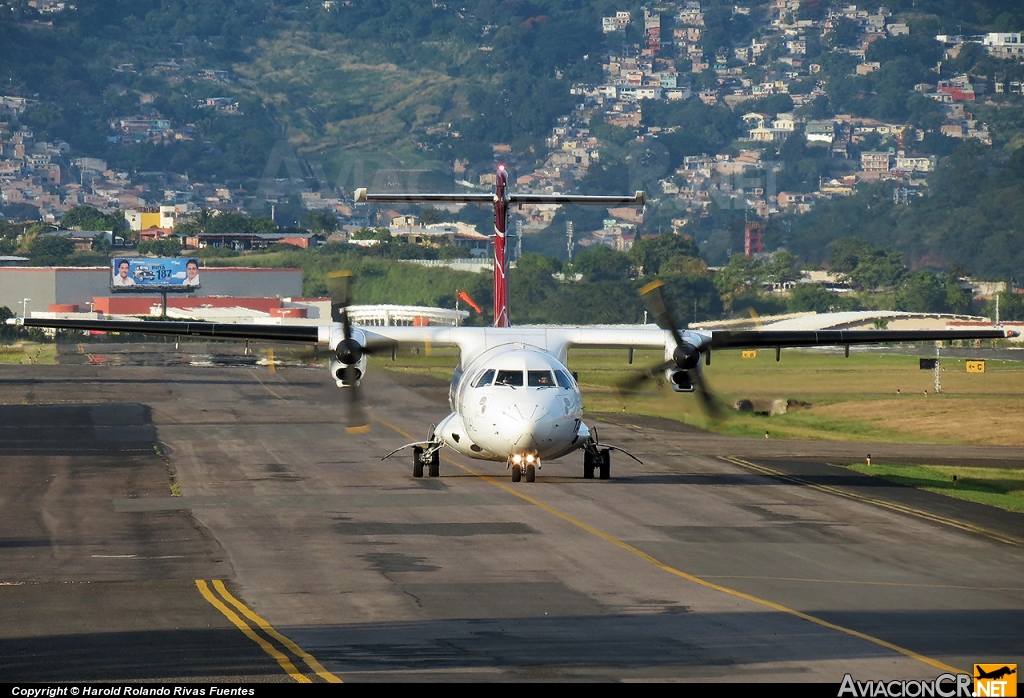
(159, 274)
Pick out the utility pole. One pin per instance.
(519, 239)
(568, 235)
(938, 384)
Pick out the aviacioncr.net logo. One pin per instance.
(995, 680)
(943, 686)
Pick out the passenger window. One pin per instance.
(564, 381)
(539, 379)
(485, 378)
(513, 378)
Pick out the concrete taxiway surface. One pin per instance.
(293, 553)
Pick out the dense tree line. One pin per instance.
(972, 218)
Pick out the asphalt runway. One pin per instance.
(202, 519)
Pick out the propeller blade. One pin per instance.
(337, 283)
(357, 421)
(707, 398)
(654, 297)
(356, 418)
(634, 380)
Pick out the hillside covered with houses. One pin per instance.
(748, 123)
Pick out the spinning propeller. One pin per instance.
(686, 356)
(348, 352)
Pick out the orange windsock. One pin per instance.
(465, 296)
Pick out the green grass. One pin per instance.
(991, 486)
(28, 353)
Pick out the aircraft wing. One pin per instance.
(769, 339)
(213, 330)
(652, 337)
(556, 339)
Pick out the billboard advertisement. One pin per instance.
(154, 274)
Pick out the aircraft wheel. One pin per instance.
(588, 465)
(417, 461)
(605, 456)
(435, 464)
(517, 473)
(531, 473)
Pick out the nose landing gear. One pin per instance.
(524, 469)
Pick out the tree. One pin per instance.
(1011, 307)
(845, 34)
(813, 298)
(928, 292)
(532, 282)
(649, 254)
(867, 267)
(739, 275)
(48, 250)
(602, 263)
(84, 218)
(321, 221)
(226, 223)
(429, 215)
(100, 243)
(188, 228)
(781, 269)
(168, 247)
(9, 332)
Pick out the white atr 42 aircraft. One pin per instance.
(513, 399)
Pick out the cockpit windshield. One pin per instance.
(484, 378)
(564, 381)
(512, 378)
(540, 379)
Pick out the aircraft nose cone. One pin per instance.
(523, 427)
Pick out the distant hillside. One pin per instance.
(395, 83)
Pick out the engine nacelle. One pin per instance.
(686, 356)
(348, 364)
(355, 372)
(680, 380)
(687, 360)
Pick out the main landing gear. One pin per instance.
(600, 460)
(431, 460)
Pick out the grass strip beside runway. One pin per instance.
(997, 487)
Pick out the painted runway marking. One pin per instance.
(928, 516)
(259, 625)
(684, 575)
(861, 582)
(269, 390)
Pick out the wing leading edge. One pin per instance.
(555, 339)
(769, 339)
(213, 330)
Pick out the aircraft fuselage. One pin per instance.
(514, 400)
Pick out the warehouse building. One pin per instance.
(35, 289)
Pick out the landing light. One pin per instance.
(529, 458)
(517, 459)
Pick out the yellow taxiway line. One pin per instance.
(260, 625)
(650, 559)
(926, 515)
